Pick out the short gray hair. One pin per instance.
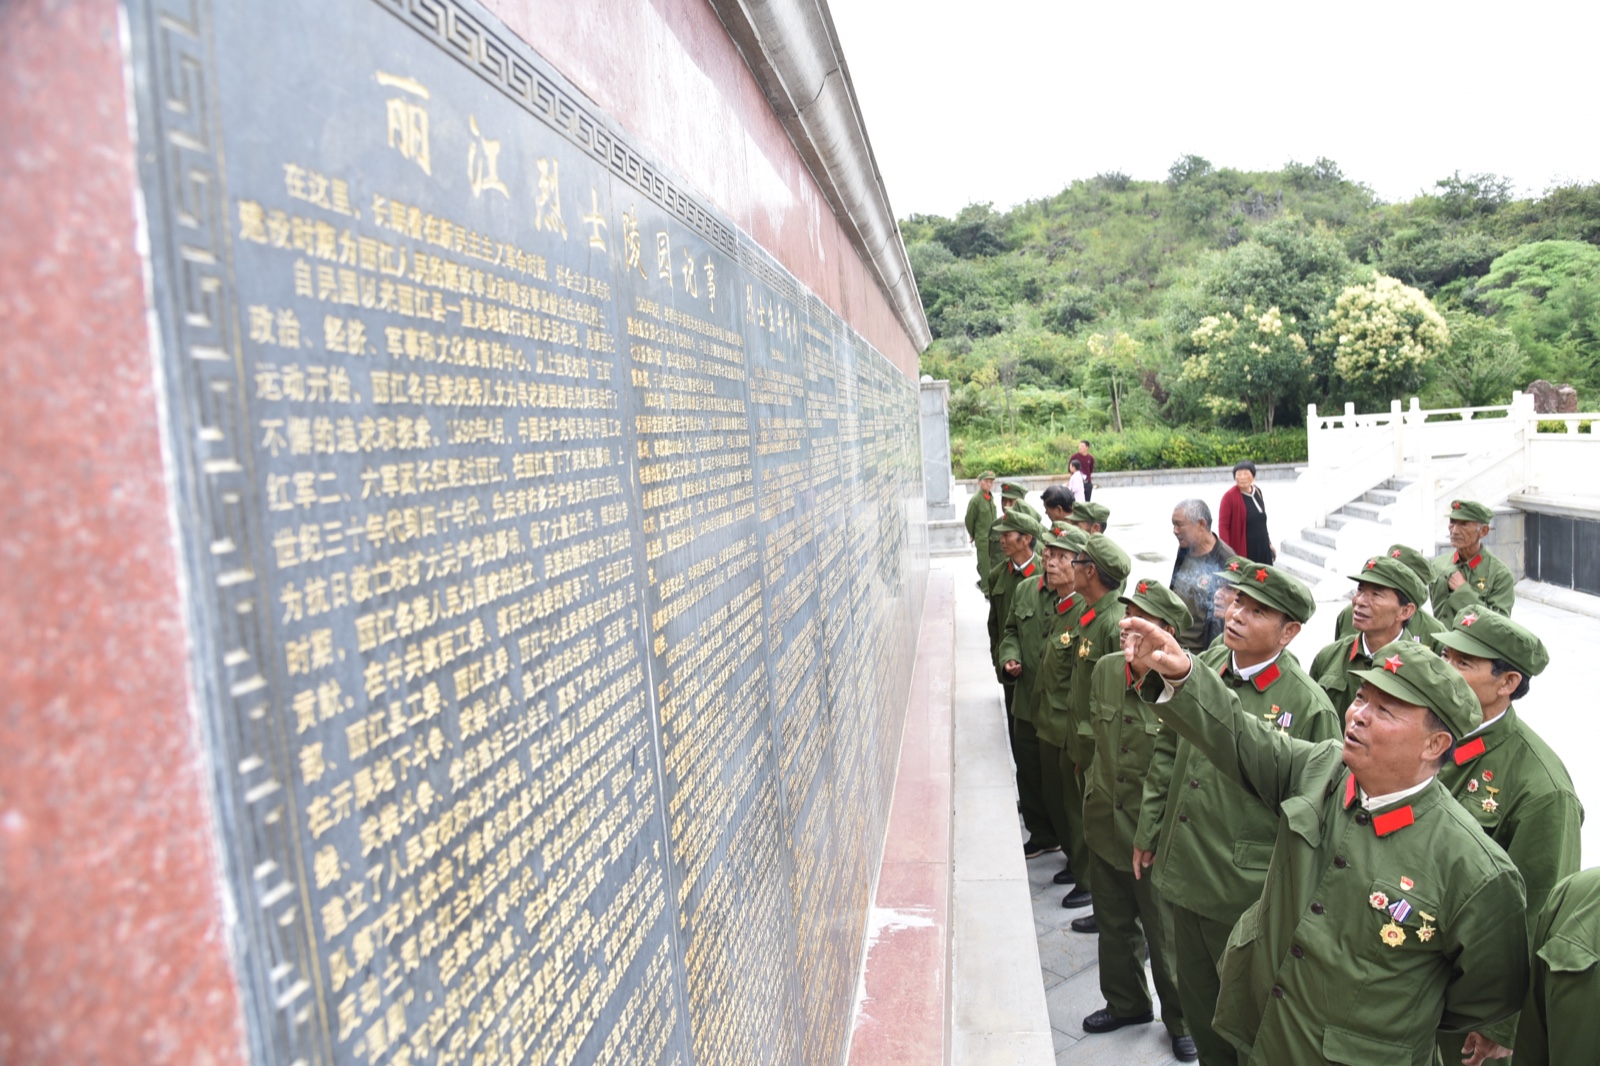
(1195, 511)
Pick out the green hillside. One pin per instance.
(1189, 321)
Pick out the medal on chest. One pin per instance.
(1490, 805)
(1392, 933)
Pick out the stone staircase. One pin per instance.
(1312, 556)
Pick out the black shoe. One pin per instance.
(1103, 1021)
(1183, 1049)
(1078, 897)
(1065, 876)
(1086, 924)
(1032, 849)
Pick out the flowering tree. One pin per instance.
(1384, 335)
(1250, 365)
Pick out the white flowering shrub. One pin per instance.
(1384, 335)
(1250, 365)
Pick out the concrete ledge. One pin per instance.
(1559, 596)
(1560, 506)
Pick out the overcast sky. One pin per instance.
(1010, 100)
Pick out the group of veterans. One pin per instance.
(1372, 860)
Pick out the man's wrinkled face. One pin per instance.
(1058, 570)
(1254, 630)
(1386, 738)
(1189, 532)
(1014, 544)
(1464, 534)
(1376, 608)
(1479, 675)
(986, 485)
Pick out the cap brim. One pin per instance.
(1466, 643)
(1395, 685)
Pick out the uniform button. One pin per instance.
(1339, 861)
(1118, 806)
(1363, 818)
(1120, 779)
(1183, 817)
(1317, 908)
(1127, 719)
(1277, 991)
(1298, 952)
(1194, 783)
(1124, 749)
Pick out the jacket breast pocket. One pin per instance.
(1357, 1049)
(1568, 956)
(1402, 921)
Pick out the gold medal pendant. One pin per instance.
(1392, 935)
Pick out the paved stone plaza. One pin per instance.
(1557, 707)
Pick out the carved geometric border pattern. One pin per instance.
(456, 31)
(250, 754)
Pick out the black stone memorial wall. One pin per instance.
(554, 556)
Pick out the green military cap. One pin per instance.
(1414, 561)
(1469, 511)
(1088, 511)
(1070, 538)
(1276, 588)
(1013, 490)
(1156, 599)
(1494, 636)
(1238, 566)
(1107, 556)
(1391, 573)
(1417, 675)
(1018, 520)
(987, 475)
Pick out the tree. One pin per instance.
(1482, 364)
(979, 230)
(1115, 359)
(1528, 273)
(1384, 335)
(1250, 364)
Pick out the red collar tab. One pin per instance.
(1472, 564)
(1065, 605)
(1266, 677)
(1224, 671)
(1028, 572)
(1041, 582)
(1465, 753)
(988, 497)
(1127, 672)
(1088, 616)
(1349, 791)
(1355, 649)
(1394, 820)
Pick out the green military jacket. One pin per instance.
(1374, 928)
(1519, 791)
(1560, 1023)
(1097, 635)
(1052, 689)
(1334, 666)
(1125, 732)
(1003, 582)
(1213, 839)
(1419, 626)
(981, 515)
(1034, 610)
(1490, 584)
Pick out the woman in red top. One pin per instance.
(1242, 518)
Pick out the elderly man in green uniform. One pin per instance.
(1129, 911)
(1090, 517)
(1100, 569)
(1560, 1025)
(1209, 838)
(1035, 605)
(981, 513)
(1019, 562)
(1422, 625)
(1384, 915)
(1469, 575)
(1055, 674)
(1387, 595)
(1506, 776)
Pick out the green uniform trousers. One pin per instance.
(1199, 942)
(1131, 915)
(1030, 783)
(1063, 797)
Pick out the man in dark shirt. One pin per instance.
(1086, 468)
(1201, 556)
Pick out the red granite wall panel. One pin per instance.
(111, 927)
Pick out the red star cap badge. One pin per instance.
(1261, 576)
(1144, 586)
(1395, 554)
(1393, 664)
(1468, 619)
(1455, 505)
(1234, 567)
(1371, 563)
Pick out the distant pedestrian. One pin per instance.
(1242, 518)
(1077, 484)
(1057, 504)
(1086, 467)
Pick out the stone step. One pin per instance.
(1358, 509)
(1300, 568)
(1339, 521)
(1381, 497)
(1314, 554)
(1328, 538)
(1395, 484)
